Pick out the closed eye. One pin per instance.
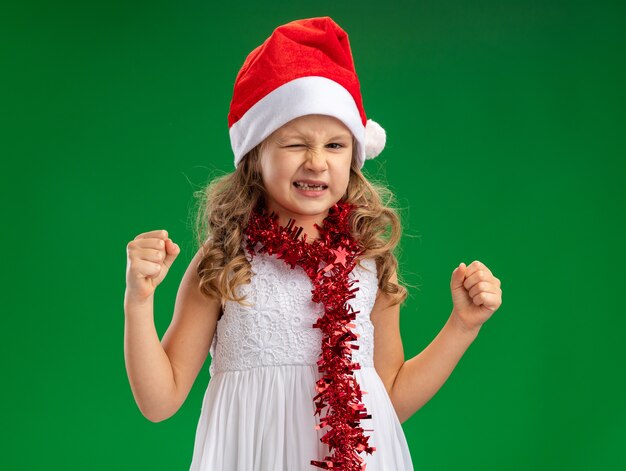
(332, 144)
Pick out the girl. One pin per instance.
(301, 320)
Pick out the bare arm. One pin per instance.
(161, 373)
(147, 365)
(411, 384)
(419, 378)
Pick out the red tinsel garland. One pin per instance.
(327, 261)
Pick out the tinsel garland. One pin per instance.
(327, 261)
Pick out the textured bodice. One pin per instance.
(278, 328)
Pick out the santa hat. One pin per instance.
(304, 67)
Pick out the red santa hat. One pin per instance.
(304, 67)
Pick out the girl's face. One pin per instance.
(305, 167)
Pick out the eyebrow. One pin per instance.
(290, 134)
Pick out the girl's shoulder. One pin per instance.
(368, 264)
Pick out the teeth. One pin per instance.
(306, 186)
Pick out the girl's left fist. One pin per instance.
(476, 294)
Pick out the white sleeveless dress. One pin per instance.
(257, 411)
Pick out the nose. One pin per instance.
(316, 160)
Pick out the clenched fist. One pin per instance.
(476, 294)
(150, 256)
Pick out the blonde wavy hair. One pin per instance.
(224, 209)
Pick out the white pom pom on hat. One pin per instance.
(304, 67)
(375, 139)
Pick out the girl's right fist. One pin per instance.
(149, 257)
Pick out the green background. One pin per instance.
(505, 124)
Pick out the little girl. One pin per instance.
(294, 289)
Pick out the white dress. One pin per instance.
(258, 410)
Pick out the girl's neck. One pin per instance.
(307, 223)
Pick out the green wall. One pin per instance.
(505, 124)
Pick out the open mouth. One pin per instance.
(309, 187)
